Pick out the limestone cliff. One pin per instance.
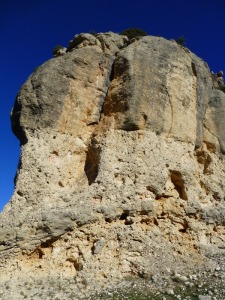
(121, 170)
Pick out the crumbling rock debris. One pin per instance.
(121, 171)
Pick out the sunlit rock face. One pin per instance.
(121, 171)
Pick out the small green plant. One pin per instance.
(181, 41)
(133, 33)
(56, 49)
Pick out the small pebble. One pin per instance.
(170, 292)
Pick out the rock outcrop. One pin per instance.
(121, 171)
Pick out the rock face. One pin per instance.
(121, 170)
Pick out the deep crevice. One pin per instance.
(177, 180)
(185, 227)
(91, 167)
(155, 221)
(194, 69)
(40, 253)
(48, 243)
(110, 78)
(130, 126)
(124, 215)
(117, 101)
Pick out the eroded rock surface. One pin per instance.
(121, 171)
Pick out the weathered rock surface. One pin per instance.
(121, 171)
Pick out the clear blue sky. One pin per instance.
(30, 29)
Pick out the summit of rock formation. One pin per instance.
(121, 173)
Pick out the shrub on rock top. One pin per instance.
(56, 50)
(181, 41)
(133, 33)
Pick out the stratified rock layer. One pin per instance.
(121, 170)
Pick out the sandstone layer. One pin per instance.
(121, 171)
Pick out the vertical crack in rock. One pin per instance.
(119, 99)
(200, 114)
(93, 153)
(178, 181)
(203, 88)
(109, 79)
(185, 226)
(171, 107)
(194, 69)
(92, 161)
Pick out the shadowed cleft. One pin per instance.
(92, 161)
(178, 181)
(205, 159)
(48, 243)
(15, 122)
